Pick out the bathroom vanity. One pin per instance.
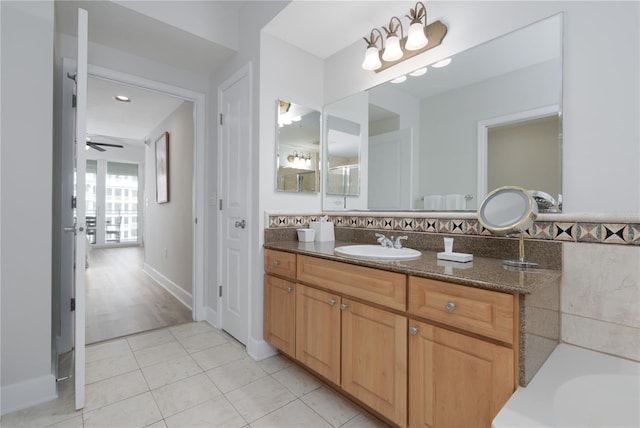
(419, 342)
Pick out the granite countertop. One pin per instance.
(482, 272)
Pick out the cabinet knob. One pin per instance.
(344, 306)
(276, 262)
(332, 302)
(289, 289)
(450, 306)
(413, 331)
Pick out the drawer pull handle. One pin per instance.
(276, 262)
(413, 331)
(332, 302)
(289, 289)
(450, 306)
(344, 306)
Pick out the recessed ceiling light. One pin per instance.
(399, 79)
(442, 63)
(418, 72)
(122, 98)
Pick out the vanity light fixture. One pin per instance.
(420, 38)
(399, 79)
(299, 159)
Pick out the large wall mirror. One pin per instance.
(444, 139)
(298, 148)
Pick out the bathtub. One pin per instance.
(577, 387)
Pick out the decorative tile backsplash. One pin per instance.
(567, 231)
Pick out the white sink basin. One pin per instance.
(377, 252)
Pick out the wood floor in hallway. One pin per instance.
(123, 300)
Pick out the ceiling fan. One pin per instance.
(99, 146)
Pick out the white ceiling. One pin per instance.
(122, 28)
(323, 28)
(133, 120)
(320, 27)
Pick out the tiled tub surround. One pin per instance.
(600, 284)
(538, 290)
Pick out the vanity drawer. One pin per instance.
(374, 285)
(485, 312)
(280, 263)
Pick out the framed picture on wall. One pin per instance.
(162, 168)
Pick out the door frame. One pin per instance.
(245, 70)
(199, 155)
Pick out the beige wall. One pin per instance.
(525, 154)
(168, 234)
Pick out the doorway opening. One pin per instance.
(142, 254)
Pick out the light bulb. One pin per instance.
(416, 38)
(392, 51)
(399, 79)
(371, 59)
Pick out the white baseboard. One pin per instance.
(259, 349)
(173, 288)
(28, 393)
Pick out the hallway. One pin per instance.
(123, 300)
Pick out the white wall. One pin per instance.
(168, 234)
(253, 17)
(27, 157)
(600, 100)
(291, 74)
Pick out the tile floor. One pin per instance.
(191, 375)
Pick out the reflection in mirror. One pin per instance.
(442, 140)
(298, 148)
(343, 157)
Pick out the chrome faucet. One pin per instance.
(397, 243)
(384, 241)
(390, 242)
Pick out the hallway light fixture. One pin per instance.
(420, 38)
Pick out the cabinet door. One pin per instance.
(374, 358)
(456, 380)
(318, 331)
(279, 313)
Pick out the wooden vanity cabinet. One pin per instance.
(456, 380)
(279, 323)
(318, 329)
(418, 351)
(374, 358)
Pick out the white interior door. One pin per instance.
(235, 172)
(80, 235)
(390, 156)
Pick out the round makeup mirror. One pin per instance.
(507, 211)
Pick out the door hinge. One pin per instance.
(220, 291)
(220, 204)
(74, 101)
(73, 304)
(221, 119)
(73, 202)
